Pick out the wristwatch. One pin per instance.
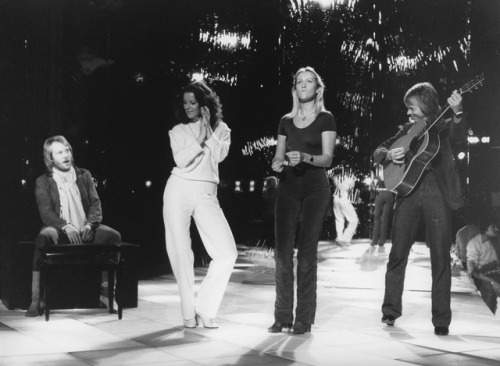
(458, 114)
(311, 159)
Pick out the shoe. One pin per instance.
(389, 320)
(277, 327)
(190, 323)
(34, 310)
(104, 303)
(301, 328)
(206, 322)
(441, 331)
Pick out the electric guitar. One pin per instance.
(421, 144)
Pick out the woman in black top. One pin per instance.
(306, 139)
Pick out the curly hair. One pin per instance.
(205, 97)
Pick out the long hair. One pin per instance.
(47, 151)
(426, 97)
(319, 103)
(205, 97)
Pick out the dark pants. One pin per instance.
(488, 294)
(302, 198)
(425, 202)
(49, 236)
(381, 217)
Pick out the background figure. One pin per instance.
(482, 262)
(462, 238)
(269, 196)
(70, 209)
(436, 194)
(306, 139)
(343, 208)
(384, 202)
(199, 143)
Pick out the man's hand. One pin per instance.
(73, 235)
(87, 233)
(397, 155)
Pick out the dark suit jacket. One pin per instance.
(49, 205)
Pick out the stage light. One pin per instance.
(139, 78)
(237, 186)
(485, 139)
(473, 140)
(197, 76)
(148, 183)
(23, 182)
(251, 186)
(461, 155)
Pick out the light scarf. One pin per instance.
(71, 201)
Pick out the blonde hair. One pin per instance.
(47, 150)
(319, 102)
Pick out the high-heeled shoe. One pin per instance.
(190, 323)
(206, 322)
(277, 327)
(301, 328)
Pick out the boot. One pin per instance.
(34, 309)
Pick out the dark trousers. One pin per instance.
(488, 293)
(305, 199)
(381, 217)
(49, 236)
(425, 202)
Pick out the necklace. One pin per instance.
(304, 116)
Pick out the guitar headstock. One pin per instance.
(473, 84)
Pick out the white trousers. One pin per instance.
(182, 200)
(344, 211)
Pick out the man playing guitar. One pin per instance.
(436, 192)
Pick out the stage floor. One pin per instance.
(348, 330)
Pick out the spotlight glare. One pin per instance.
(197, 76)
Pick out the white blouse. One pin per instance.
(194, 162)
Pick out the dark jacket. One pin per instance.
(443, 164)
(49, 205)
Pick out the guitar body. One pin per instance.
(402, 178)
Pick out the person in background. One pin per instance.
(344, 210)
(199, 143)
(384, 202)
(306, 140)
(483, 265)
(462, 238)
(70, 210)
(269, 196)
(437, 193)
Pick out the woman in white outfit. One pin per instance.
(199, 143)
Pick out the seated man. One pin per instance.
(462, 238)
(482, 264)
(70, 209)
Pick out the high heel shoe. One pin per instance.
(277, 327)
(301, 328)
(190, 323)
(206, 322)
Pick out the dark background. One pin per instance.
(104, 73)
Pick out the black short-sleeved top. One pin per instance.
(307, 139)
